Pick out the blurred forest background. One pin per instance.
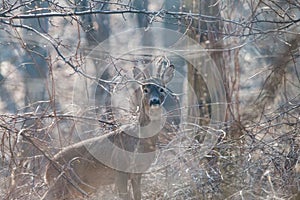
(253, 44)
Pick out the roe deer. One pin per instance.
(77, 171)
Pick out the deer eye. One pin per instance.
(161, 90)
(146, 90)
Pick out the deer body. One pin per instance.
(75, 172)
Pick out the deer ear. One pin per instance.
(168, 74)
(138, 74)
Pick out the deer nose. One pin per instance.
(154, 101)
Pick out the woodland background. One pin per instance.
(254, 44)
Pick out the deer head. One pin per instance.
(154, 93)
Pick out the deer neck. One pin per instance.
(149, 125)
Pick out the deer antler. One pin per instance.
(162, 62)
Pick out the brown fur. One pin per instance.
(76, 172)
